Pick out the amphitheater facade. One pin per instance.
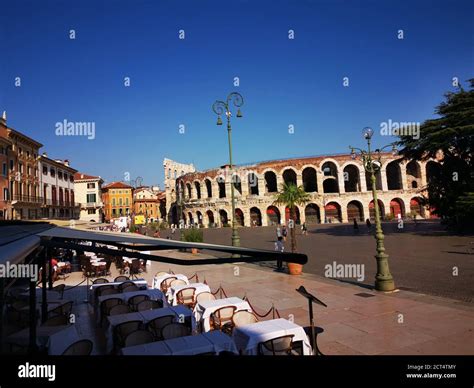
(337, 184)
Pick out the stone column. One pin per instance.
(383, 176)
(344, 216)
(363, 182)
(340, 181)
(322, 212)
(299, 180)
(319, 182)
(403, 173)
(302, 214)
(424, 181)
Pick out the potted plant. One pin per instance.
(291, 196)
(193, 235)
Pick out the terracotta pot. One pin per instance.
(295, 269)
(194, 251)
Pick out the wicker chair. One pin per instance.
(187, 297)
(221, 319)
(156, 325)
(149, 305)
(177, 282)
(79, 348)
(119, 309)
(175, 330)
(161, 273)
(100, 281)
(204, 297)
(106, 305)
(242, 318)
(122, 330)
(131, 288)
(165, 284)
(134, 300)
(139, 337)
(58, 320)
(280, 346)
(121, 278)
(125, 284)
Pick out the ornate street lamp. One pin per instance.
(372, 163)
(220, 108)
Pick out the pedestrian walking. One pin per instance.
(356, 226)
(284, 233)
(304, 229)
(278, 232)
(369, 224)
(279, 247)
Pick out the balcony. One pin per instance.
(27, 199)
(93, 204)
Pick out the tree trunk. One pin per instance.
(293, 229)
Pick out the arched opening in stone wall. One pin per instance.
(289, 176)
(330, 185)
(413, 175)
(351, 179)
(333, 212)
(239, 217)
(208, 188)
(237, 184)
(330, 177)
(372, 210)
(312, 214)
(355, 210)
(416, 207)
(397, 208)
(270, 182)
(199, 218)
(253, 183)
(190, 218)
(378, 180)
(223, 217)
(309, 180)
(189, 190)
(273, 216)
(197, 185)
(210, 218)
(221, 185)
(255, 216)
(173, 215)
(394, 176)
(297, 215)
(181, 192)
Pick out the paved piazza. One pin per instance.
(422, 257)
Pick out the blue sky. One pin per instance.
(284, 82)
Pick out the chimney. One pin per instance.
(45, 155)
(66, 162)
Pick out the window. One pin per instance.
(120, 202)
(52, 172)
(65, 176)
(2, 150)
(113, 212)
(20, 151)
(91, 211)
(11, 164)
(126, 201)
(91, 185)
(28, 169)
(113, 201)
(91, 198)
(71, 178)
(4, 169)
(20, 167)
(5, 194)
(60, 175)
(28, 154)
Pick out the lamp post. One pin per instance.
(219, 108)
(383, 278)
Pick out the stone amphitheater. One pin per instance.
(337, 185)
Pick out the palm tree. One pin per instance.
(291, 196)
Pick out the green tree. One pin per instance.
(450, 139)
(291, 196)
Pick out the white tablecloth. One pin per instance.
(182, 314)
(172, 291)
(158, 279)
(249, 336)
(214, 342)
(203, 311)
(55, 338)
(141, 283)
